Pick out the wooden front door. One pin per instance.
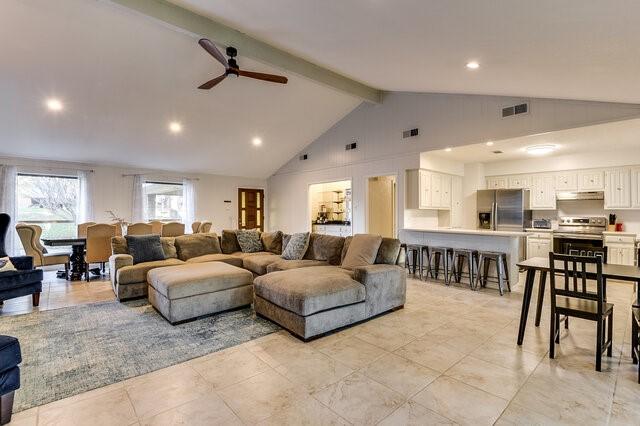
(251, 209)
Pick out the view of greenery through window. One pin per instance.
(50, 202)
(164, 200)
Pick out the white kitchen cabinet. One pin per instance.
(428, 190)
(635, 188)
(543, 192)
(567, 181)
(497, 182)
(334, 230)
(445, 192)
(620, 248)
(519, 182)
(539, 244)
(436, 190)
(617, 188)
(591, 180)
(456, 219)
(425, 189)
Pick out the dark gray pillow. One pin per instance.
(145, 248)
(249, 240)
(296, 247)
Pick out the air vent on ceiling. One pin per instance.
(497, 152)
(304, 157)
(350, 146)
(410, 133)
(515, 110)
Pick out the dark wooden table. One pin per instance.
(541, 264)
(77, 254)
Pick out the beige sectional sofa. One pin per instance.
(309, 297)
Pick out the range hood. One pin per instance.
(575, 195)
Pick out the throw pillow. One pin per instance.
(388, 251)
(195, 245)
(145, 248)
(296, 247)
(272, 241)
(325, 247)
(249, 240)
(362, 251)
(6, 265)
(119, 245)
(169, 247)
(229, 243)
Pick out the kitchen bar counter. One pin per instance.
(510, 242)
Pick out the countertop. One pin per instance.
(539, 230)
(627, 234)
(469, 232)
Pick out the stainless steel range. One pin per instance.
(579, 233)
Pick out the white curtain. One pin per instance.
(139, 204)
(8, 176)
(188, 202)
(85, 196)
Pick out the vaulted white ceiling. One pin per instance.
(571, 49)
(123, 78)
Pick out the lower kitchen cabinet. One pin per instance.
(335, 230)
(621, 248)
(539, 244)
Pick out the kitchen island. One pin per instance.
(510, 242)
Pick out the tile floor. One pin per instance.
(449, 357)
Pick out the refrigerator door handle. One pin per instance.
(494, 212)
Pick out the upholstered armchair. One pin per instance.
(140, 229)
(30, 238)
(82, 229)
(156, 227)
(10, 358)
(98, 245)
(172, 229)
(25, 280)
(195, 227)
(204, 228)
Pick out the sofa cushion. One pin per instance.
(325, 247)
(195, 245)
(138, 273)
(119, 245)
(241, 255)
(272, 241)
(220, 257)
(189, 280)
(249, 240)
(310, 290)
(362, 251)
(258, 264)
(284, 265)
(10, 354)
(229, 241)
(388, 251)
(145, 248)
(297, 246)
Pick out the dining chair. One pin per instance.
(156, 227)
(139, 229)
(195, 227)
(118, 226)
(30, 239)
(573, 298)
(204, 227)
(172, 229)
(82, 229)
(98, 248)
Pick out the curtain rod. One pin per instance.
(50, 169)
(161, 176)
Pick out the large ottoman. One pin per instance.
(186, 292)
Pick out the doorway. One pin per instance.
(381, 205)
(251, 209)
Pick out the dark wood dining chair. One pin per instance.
(574, 299)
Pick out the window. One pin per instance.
(164, 201)
(50, 202)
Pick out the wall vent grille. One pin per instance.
(510, 111)
(410, 133)
(350, 146)
(304, 157)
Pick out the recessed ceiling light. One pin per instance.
(473, 65)
(489, 143)
(540, 149)
(54, 104)
(447, 149)
(175, 127)
(256, 141)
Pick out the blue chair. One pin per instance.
(25, 280)
(10, 357)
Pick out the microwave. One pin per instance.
(542, 223)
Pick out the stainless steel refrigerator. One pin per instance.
(503, 209)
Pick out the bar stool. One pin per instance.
(437, 255)
(415, 253)
(502, 269)
(457, 265)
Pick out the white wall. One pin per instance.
(444, 120)
(112, 191)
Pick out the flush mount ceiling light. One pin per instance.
(489, 143)
(447, 149)
(473, 65)
(175, 127)
(540, 149)
(54, 104)
(256, 141)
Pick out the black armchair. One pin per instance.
(10, 357)
(25, 280)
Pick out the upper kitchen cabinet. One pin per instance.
(617, 188)
(428, 190)
(590, 180)
(567, 181)
(635, 188)
(457, 197)
(519, 182)
(543, 192)
(497, 182)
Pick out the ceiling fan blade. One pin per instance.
(209, 84)
(213, 51)
(266, 77)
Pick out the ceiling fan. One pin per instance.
(231, 66)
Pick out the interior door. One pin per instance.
(251, 209)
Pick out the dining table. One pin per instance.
(78, 267)
(531, 266)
